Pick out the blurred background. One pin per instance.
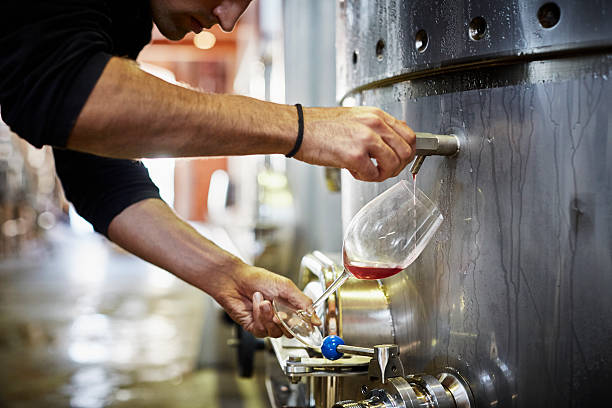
(85, 324)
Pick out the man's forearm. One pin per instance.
(132, 114)
(151, 230)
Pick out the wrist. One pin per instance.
(300, 133)
(263, 127)
(281, 128)
(213, 271)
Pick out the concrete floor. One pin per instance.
(83, 324)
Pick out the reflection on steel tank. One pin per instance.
(512, 296)
(30, 197)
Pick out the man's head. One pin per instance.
(175, 18)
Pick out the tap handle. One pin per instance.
(333, 348)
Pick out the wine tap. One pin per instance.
(429, 144)
(385, 362)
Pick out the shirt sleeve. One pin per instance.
(51, 56)
(100, 188)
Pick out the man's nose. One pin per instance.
(228, 13)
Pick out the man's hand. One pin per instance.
(247, 297)
(352, 137)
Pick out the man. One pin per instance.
(67, 79)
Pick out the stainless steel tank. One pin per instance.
(515, 291)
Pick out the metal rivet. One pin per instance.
(549, 15)
(477, 28)
(421, 41)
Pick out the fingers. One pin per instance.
(363, 168)
(276, 320)
(258, 328)
(390, 142)
(314, 319)
(263, 318)
(388, 162)
(401, 128)
(272, 329)
(404, 145)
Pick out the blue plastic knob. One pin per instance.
(328, 348)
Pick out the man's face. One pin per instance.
(175, 18)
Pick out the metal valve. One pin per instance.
(385, 362)
(395, 390)
(446, 390)
(429, 144)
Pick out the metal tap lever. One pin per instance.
(385, 362)
(360, 351)
(429, 144)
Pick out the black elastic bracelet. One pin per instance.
(300, 135)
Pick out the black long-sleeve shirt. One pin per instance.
(51, 55)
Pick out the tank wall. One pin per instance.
(514, 291)
(512, 29)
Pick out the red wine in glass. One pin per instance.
(370, 272)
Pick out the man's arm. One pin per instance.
(151, 230)
(132, 114)
(121, 201)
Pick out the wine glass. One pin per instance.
(382, 239)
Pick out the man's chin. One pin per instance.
(174, 34)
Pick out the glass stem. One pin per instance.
(332, 288)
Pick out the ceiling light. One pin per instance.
(204, 40)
